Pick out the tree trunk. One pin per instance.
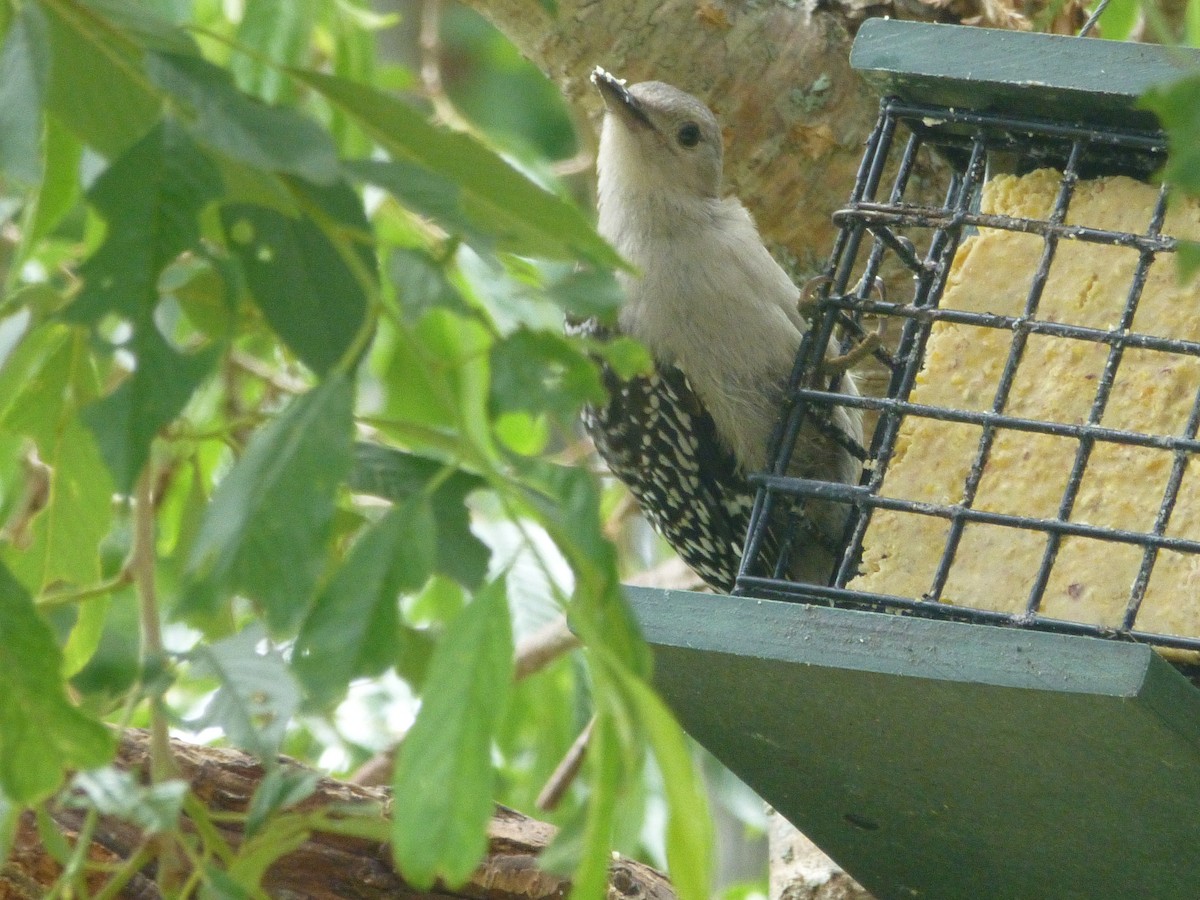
(325, 866)
(776, 75)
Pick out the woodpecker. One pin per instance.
(723, 323)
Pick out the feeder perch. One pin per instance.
(977, 705)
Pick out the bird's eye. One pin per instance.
(688, 134)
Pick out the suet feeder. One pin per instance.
(1029, 467)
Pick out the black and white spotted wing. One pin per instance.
(658, 439)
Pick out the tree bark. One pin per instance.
(799, 870)
(776, 74)
(325, 866)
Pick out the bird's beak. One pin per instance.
(618, 99)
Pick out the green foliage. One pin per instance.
(444, 771)
(281, 365)
(265, 531)
(1177, 105)
(41, 733)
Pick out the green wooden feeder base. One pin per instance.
(942, 760)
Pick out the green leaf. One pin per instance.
(428, 194)
(1176, 105)
(422, 285)
(689, 826)
(438, 377)
(258, 695)
(220, 885)
(494, 195)
(96, 84)
(352, 629)
(205, 289)
(85, 635)
(45, 381)
(41, 733)
(299, 278)
(444, 771)
(539, 371)
(126, 421)
(627, 357)
(280, 33)
(590, 292)
(24, 73)
(140, 24)
(282, 787)
(151, 198)
(265, 137)
(264, 534)
(1189, 259)
(398, 476)
(588, 846)
(567, 503)
(59, 189)
(113, 792)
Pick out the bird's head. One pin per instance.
(656, 137)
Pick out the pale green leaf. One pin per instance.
(51, 378)
(279, 33)
(283, 786)
(689, 826)
(1177, 106)
(444, 771)
(258, 695)
(587, 846)
(85, 635)
(24, 71)
(438, 376)
(114, 792)
(97, 88)
(59, 190)
(1189, 259)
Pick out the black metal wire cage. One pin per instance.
(1031, 460)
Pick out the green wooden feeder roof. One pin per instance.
(944, 760)
(1051, 76)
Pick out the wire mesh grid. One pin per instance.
(1082, 539)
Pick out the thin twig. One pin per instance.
(626, 508)
(567, 771)
(163, 765)
(431, 66)
(280, 381)
(542, 647)
(376, 771)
